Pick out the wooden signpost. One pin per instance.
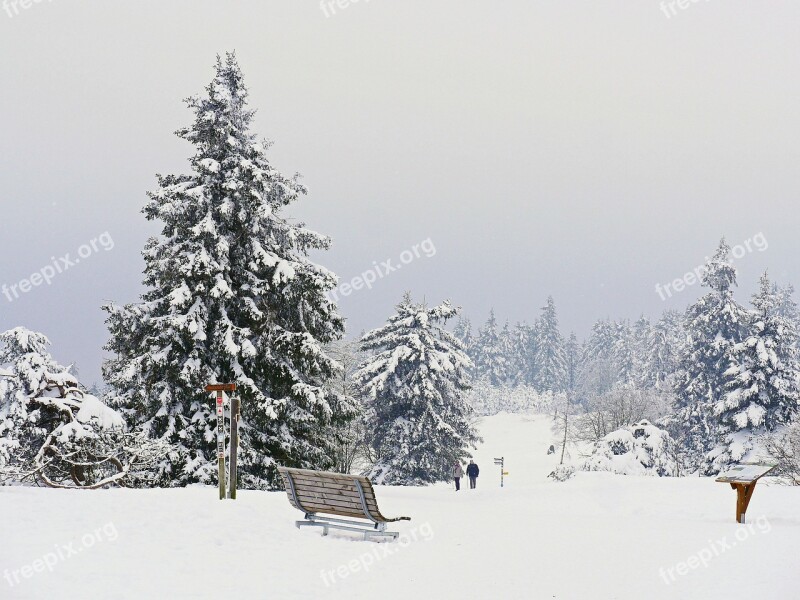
(743, 479)
(220, 388)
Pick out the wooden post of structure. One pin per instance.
(219, 388)
(744, 492)
(743, 479)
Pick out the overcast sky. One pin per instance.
(587, 150)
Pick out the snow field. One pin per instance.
(597, 536)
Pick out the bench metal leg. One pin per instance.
(370, 531)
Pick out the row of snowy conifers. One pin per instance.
(720, 381)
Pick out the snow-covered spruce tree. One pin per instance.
(624, 351)
(351, 440)
(232, 297)
(572, 354)
(551, 361)
(463, 331)
(490, 362)
(524, 365)
(509, 351)
(641, 336)
(416, 386)
(714, 325)
(665, 348)
(762, 380)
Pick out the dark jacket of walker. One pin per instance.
(472, 470)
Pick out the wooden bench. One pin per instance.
(352, 496)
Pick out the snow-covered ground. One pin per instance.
(597, 536)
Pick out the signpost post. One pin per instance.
(219, 388)
(236, 406)
(500, 461)
(743, 479)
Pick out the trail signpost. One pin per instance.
(500, 461)
(220, 388)
(743, 479)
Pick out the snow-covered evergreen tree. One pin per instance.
(551, 361)
(416, 386)
(524, 366)
(714, 325)
(665, 348)
(509, 349)
(762, 380)
(572, 354)
(463, 331)
(232, 297)
(641, 337)
(599, 371)
(490, 361)
(624, 352)
(602, 342)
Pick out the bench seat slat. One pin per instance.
(324, 474)
(303, 489)
(337, 484)
(321, 483)
(333, 498)
(338, 502)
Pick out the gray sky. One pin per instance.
(587, 150)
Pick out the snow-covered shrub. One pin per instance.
(784, 447)
(618, 407)
(51, 430)
(640, 449)
(562, 473)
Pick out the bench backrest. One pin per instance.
(331, 493)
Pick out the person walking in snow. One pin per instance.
(458, 473)
(472, 473)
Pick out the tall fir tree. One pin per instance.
(572, 353)
(641, 337)
(551, 361)
(714, 325)
(599, 370)
(463, 331)
(508, 350)
(525, 352)
(762, 387)
(664, 351)
(416, 386)
(230, 296)
(490, 362)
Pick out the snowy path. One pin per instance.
(596, 537)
